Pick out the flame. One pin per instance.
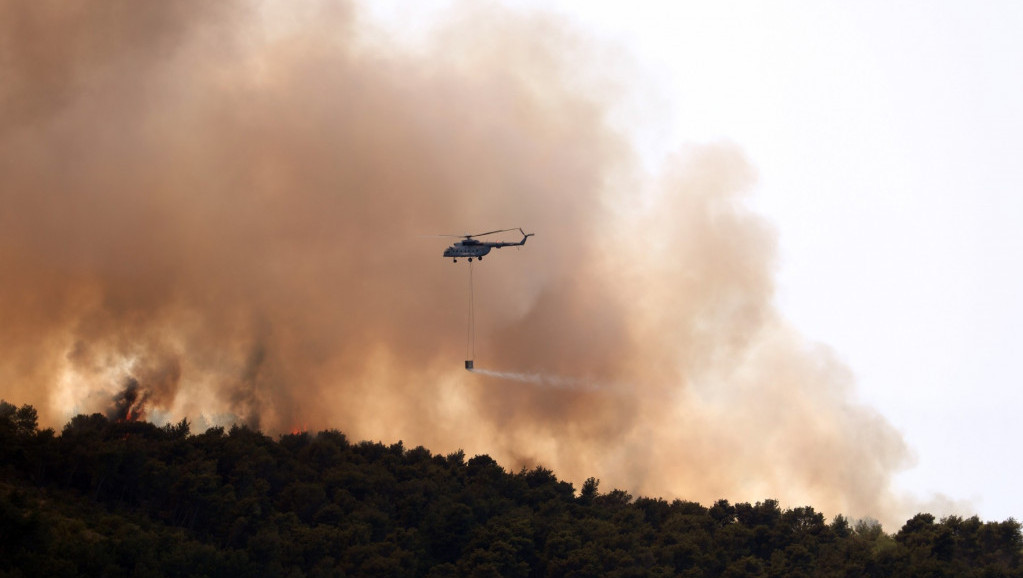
(129, 404)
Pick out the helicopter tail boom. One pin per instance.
(525, 236)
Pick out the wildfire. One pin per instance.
(129, 403)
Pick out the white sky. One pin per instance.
(888, 138)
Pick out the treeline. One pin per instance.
(110, 498)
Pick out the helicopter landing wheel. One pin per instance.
(454, 260)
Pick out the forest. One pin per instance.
(117, 498)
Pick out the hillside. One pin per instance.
(122, 498)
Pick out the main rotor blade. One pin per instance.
(471, 236)
(489, 233)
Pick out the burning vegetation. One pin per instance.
(129, 404)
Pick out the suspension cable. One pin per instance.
(470, 331)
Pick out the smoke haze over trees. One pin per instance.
(218, 211)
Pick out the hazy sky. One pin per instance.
(775, 251)
(887, 139)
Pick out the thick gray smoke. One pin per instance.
(228, 213)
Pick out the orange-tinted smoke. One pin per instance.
(230, 212)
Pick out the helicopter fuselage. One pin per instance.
(470, 248)
(473, 248)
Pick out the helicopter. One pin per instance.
(470, 247)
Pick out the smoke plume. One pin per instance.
(227, 209)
